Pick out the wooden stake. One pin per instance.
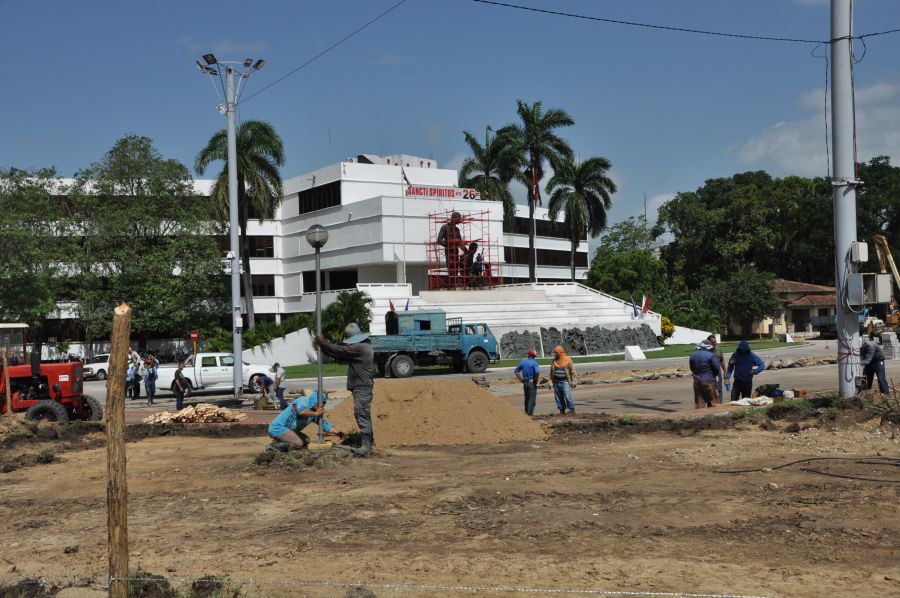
(6, 385)
(116, 487)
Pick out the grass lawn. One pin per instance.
(337, 369)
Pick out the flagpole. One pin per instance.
(402, 276)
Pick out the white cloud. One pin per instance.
(455, 162)
(226, 49)
(388, 58)
(799, 147)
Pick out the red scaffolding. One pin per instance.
(460, 251)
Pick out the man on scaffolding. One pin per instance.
(451, 240)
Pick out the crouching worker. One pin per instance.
(286, 429)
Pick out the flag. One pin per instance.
(407, 305)
(634, 308)
(535, 190)
(405, 180)
(645, 305)
(392, 305)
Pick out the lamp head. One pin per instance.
(210, 59)
(259, 64)
(317, 236)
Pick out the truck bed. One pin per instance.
(415, 342)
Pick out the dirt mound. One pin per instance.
(438, 412)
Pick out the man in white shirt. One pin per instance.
(279, 376)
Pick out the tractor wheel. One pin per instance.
(101, 375)
(402, 366)
(47, 411)
(94, 410)
(477, 362)
(188, 388)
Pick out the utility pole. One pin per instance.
(844, 183)
(214, 68)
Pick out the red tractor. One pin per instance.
(49, 392)
(43, 391)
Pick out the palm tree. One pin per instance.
(491, 168)
(259, 154)
(539, 144)
(583, 192)
(350, 306)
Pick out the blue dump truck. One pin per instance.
(428, 337)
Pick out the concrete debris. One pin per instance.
(577, 341)
(805, 362)
(515, 345)
(202, 413)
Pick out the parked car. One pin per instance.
(97, 367)
(211, 371)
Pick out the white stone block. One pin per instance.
(634, 353)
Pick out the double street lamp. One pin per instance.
(215, 68)
(317, 236)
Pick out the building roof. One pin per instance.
(825, 300)
(783, 286)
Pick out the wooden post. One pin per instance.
(116, 486)
(6, 388)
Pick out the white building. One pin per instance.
(376, 214)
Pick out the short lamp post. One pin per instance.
(317, 236)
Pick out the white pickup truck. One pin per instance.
(211, 371)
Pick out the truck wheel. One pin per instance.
(94, 411)
(477, 362)
(101, 375)
(188, 388)
(402, 366)
(47, 411)
(253, 385)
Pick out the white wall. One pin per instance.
(687, 336)
(293, 349)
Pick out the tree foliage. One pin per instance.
(350, 306)
(260, 152)
(145, 238)
(491, 168)
(34, 246)
(583, 192)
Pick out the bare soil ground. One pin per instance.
(590, 508)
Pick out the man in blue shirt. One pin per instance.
(529, 372)
(704, 367)
(745, 364)
(286, 428)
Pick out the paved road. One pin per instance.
(653, 397)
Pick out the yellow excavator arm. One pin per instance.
(884, 255)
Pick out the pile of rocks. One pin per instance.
(804, 362)
(198, 414)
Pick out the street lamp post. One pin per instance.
(317, 236)
(244, 69)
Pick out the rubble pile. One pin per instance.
(804, 362)
(196, 414)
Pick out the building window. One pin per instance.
(544, 228)
(309, 281)
(545, 257)
(800, 316)
(824, 311)
(263, 285)
(341, 279)
(319, 198)
(261, 246)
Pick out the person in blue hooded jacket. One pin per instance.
(286, 428)
(745, 364)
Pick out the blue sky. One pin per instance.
(668, 109)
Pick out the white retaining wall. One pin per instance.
(293, 349)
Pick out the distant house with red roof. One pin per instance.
(800, 302)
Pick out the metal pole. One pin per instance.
(237, 323)
(319, 347)
(844, 190)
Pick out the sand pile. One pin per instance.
(438, 412)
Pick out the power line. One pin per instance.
(670, 28)
(327, 50)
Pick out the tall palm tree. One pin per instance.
(582, 191)
(491, 168)
(539, 145)
(259, 154)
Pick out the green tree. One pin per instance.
(744, 297)
(35, 222)
(148, 239)
(583, 192)
(627, 274)
(350, 306)
(630, 234)
(260, 152)
(536, 137)
(491, 168)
